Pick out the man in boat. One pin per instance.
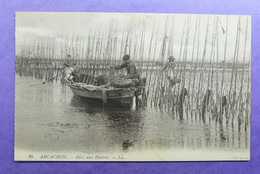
(130, 68)
(131, 71)
(134, 76)
(68, 73)
(72, 73)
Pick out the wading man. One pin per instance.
(170, 64)
(169, 70)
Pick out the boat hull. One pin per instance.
(118, 97)
(111, 103)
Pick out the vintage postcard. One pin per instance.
(132, 87)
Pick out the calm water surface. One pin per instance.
(48, 118)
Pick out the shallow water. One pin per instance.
(49, 118)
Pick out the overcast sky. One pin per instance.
(61, 26)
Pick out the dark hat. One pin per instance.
(126, 57)
(171, 58)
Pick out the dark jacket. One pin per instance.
(131, 69)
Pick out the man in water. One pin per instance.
(170, 64)
(130, 67)
(169, 69)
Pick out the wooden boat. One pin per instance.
(88, 88)
(113, 97)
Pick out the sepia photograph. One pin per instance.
(132, 87)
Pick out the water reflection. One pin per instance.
(124, 125)
(53, 115)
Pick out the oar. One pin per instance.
(48, 80)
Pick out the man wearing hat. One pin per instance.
(132, 74)
(170, 63)
(130, 68)
(68, 73)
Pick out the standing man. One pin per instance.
(169, 69)
(170, 63)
